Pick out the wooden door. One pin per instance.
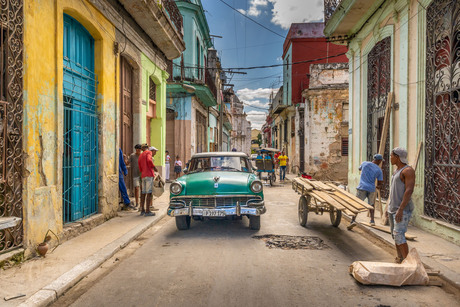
(126, 114)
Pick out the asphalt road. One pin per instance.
(219, 263)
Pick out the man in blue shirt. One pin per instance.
(370, 171)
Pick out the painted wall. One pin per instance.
(287, 77)
(158, 124)
(407, 126)
(43, 113)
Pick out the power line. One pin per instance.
(268, 29)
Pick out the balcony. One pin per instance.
(174, 14)
(329, 8)
(278, 106)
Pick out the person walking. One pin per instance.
(177, 167)
(167, 166)
(283, 160)
(370, 171)
(400, 205)
(147, 169)
(122, 170)
(133, 162)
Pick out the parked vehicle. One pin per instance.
(217, 185)
(265, 163)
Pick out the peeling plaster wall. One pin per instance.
(323, 133)
(43, 113)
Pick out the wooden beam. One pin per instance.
(352, 197)
(386, 124)
(387, 230)
(331, 201)
(345, 204)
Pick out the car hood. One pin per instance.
(203, 183)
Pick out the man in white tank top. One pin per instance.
(400, 204)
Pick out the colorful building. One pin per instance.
(70, 105)
(405, 49)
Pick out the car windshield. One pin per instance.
(222, 163)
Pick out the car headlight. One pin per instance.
(175, 188)
(256, 186)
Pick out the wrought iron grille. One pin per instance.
(80, 161)
(329, 8)
(379, 84)
(174, 13)
(11, 117)
(442, 134)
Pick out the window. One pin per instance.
(344, 146)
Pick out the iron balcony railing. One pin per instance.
(174, 13)
(210, 82)
(197, 75)
(329, 8)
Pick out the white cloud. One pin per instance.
(255, 103)
(257, 118)
(252, 94)
(254, 7)
(285, 12)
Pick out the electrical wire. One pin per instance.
(256, 22)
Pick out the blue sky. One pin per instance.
(245, 43)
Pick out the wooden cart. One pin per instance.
(320, 197)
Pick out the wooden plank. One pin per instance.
(387, 230)
(354, 198)
(312, 183)
(345, 204)
(324, 186)
(386, 124)
(316, 196)
(331, 201)
(414, 165)
(305, 183)
(349, 213)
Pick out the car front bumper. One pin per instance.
(217, 212)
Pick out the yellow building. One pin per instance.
(62, 109)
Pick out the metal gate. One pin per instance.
(379, 84)
(442, 150)
(11, 116)
(80, 160)
(126, 114)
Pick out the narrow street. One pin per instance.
(219, 263)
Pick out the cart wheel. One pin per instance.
(336, 216)
(303, 210)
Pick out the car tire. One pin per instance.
(336, 216)
(254, 222)
(183, 222)
(303, 210)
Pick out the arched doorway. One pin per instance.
(80, 154)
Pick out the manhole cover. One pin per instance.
(292, 242)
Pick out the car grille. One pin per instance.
(216, 201)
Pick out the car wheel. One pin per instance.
(303, 210)
(254, 222)
(336, 216)
(183, 222)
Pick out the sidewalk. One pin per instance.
(42, 280)
(435, 252)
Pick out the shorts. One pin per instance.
(361, 194)
(147, 185)
(177, 169)
(136, 182)
(398, 230)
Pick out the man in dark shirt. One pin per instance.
(133, 162)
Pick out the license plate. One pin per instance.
(213, 213)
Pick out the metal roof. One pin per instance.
(220, 154)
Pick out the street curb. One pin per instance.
(367, 230)
(51, 292)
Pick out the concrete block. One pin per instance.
(40, 298)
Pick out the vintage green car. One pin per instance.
(217, 185)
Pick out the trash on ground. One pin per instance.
(410, 272)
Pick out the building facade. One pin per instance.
(406, 48)
(241, 133)
(62, 108)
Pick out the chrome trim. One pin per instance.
(194, 211)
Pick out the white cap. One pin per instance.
(153, 148)
(401, 153)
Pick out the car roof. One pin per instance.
(220, 154)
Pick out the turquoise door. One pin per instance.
(80, 163)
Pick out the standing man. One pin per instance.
(122, 170)
(283, 160)
(370, 171)
(147, 169)
(134, 163)
(167, 166)
(400, 204)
